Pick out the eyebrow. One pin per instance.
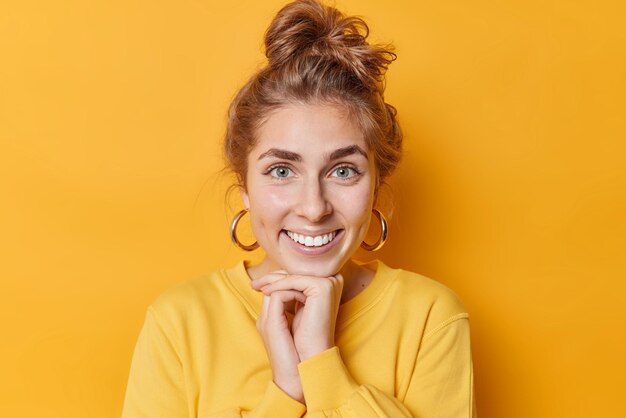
(345, 151)
(292, 156)
(281, 154)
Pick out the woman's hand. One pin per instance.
(273, 326)
(313, 326)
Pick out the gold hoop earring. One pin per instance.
(383, 233)
(233, 233)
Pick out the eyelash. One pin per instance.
(357, 172)
(274, 167)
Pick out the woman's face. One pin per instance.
(310, 189)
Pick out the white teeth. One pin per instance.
(309, 241)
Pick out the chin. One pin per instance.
(315, 268)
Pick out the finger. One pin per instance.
(297, 306)
(264, 308)
(339, 278)
(257, 284)
(265, 305)
(338, 282)
(283, 297)
(278, 300)
(305, 284)
(273, 308)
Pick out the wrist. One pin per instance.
(307, 352)
(293, 392)
(291, 386)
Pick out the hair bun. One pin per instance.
(305, 28)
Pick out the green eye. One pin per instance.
(344, 172)
(280, 172)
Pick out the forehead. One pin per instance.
(308, 129)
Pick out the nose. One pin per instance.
(313, 203)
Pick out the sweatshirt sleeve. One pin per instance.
(274, 404)
(156, 383)
(440, 386)
(442, 383)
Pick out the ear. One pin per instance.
(245, 198)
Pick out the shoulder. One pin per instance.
(423, 297)
(193, 297)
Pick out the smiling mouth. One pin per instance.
(312, 241)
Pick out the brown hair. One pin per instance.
(317, 55)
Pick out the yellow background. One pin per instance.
(511, 192)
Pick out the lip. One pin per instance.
(312, 251)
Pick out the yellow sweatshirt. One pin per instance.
(402, 350)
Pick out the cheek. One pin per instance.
(356, 207)
(270, 199)
(269, 207)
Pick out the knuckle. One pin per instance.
(276, 296)
(326, 284)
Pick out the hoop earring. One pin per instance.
(233, 233)
(383, 233)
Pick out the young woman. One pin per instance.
(308, 331)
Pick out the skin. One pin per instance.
(310, 172)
